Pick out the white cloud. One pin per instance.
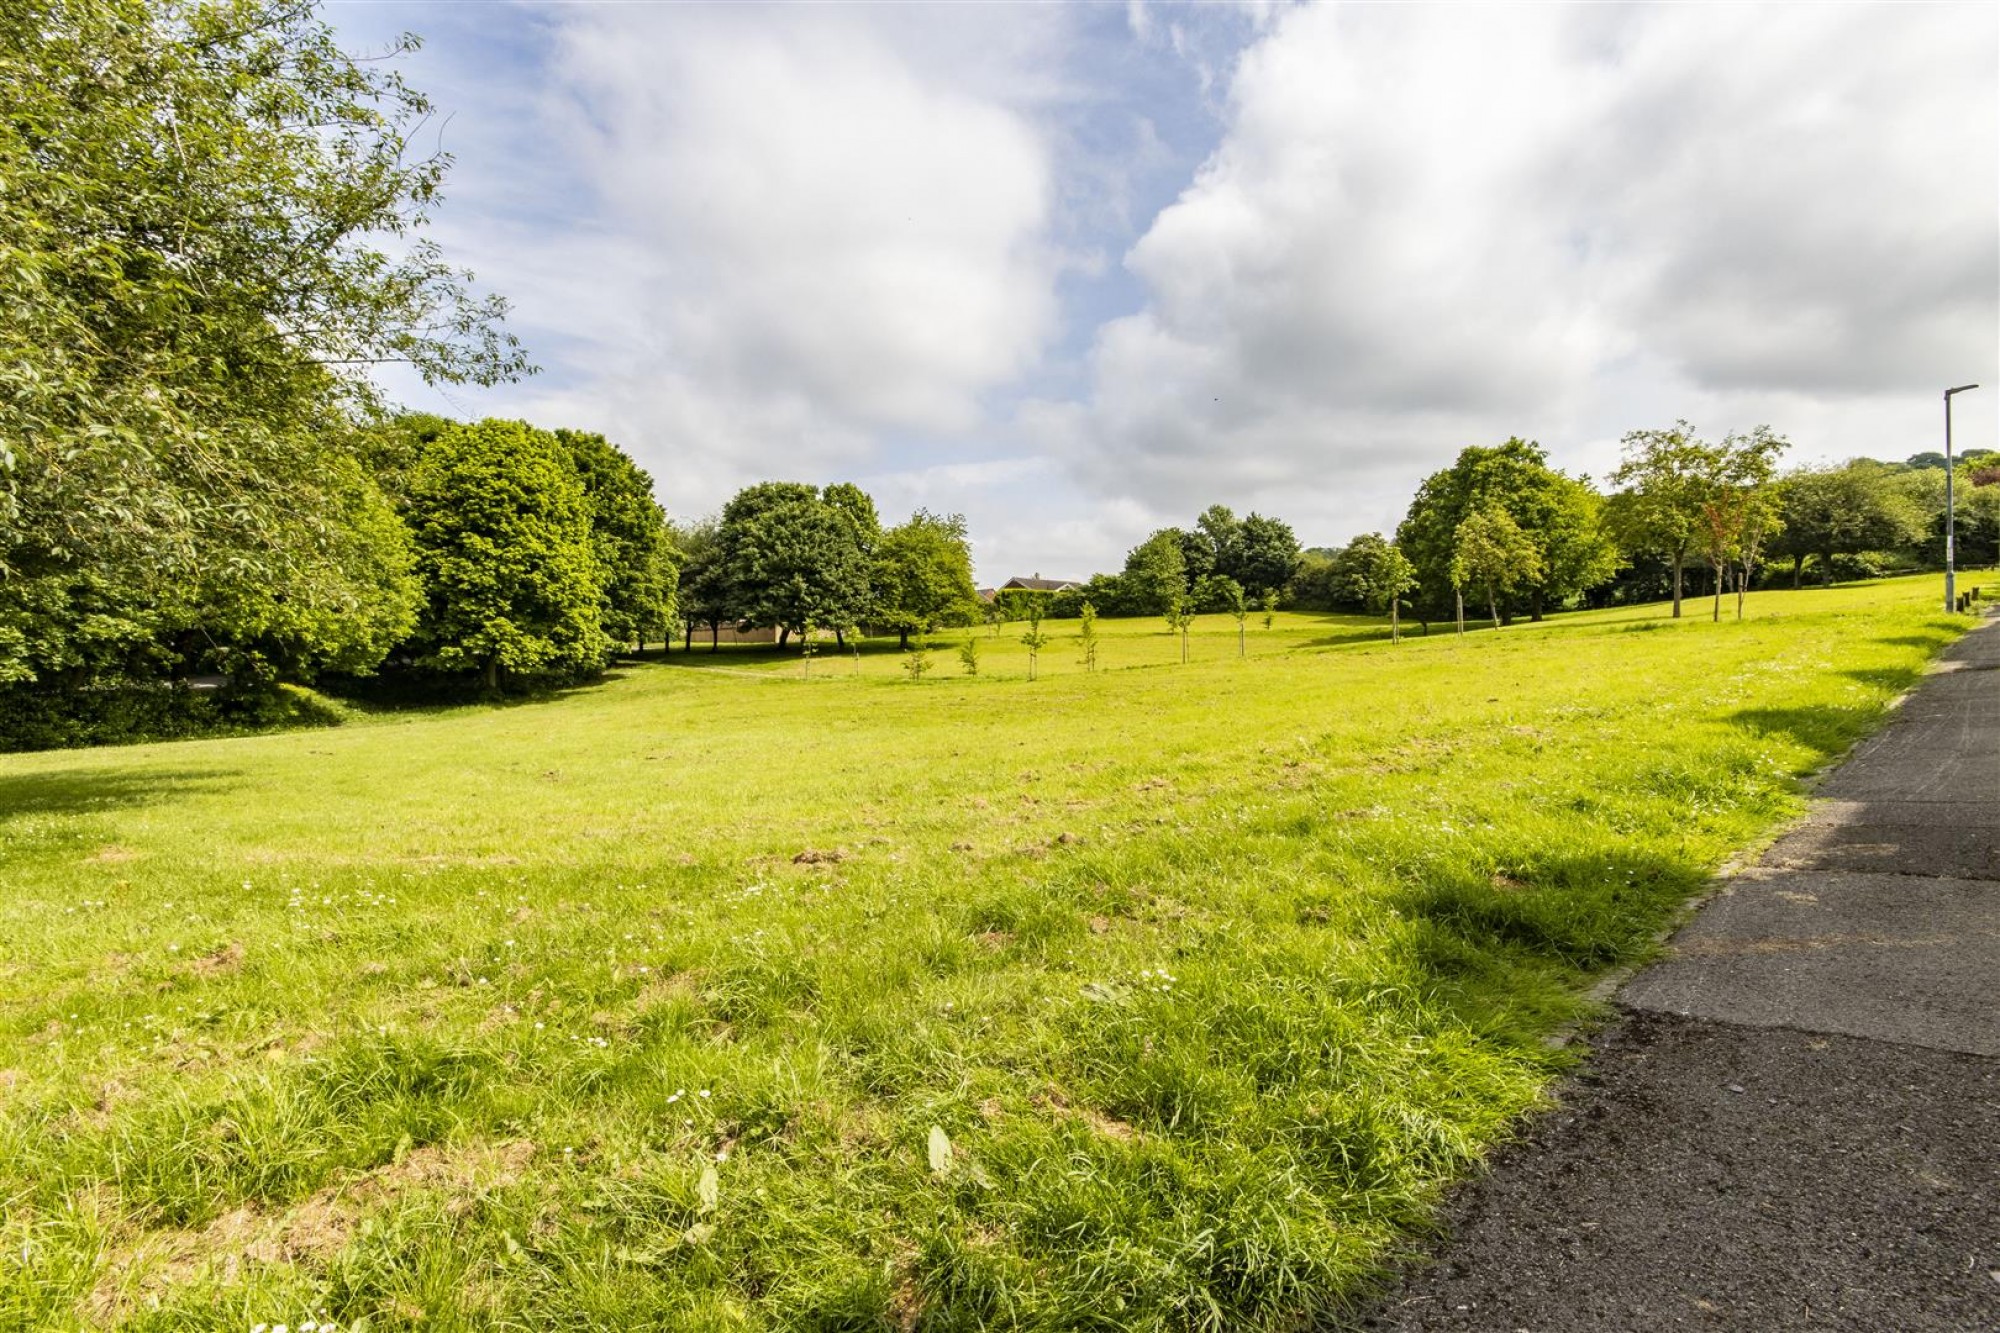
(1434, 226)
(800, 238)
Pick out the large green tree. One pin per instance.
(511, 579)
(634, 545)
(795, 557)
(1155, 574)
(1845, 510)
(923, 576)
(1560, 516)
(1371, 571)
(1263, 555)
(212, 225)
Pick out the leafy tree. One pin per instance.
(1179, 616)
(1314, 586)
(1227, 594)
(1034, 640)
(1221, 534)
(790, 556)
(702, 588)
(1738, 510)
(916, 664)
(1087, 635)
(1197, 556)
(1155, 576)
(1668, 475)
(1375, 574)
(503, 538)
(1269, 603)
(1493, 554)
(210, 228)
(633, 542)
(923, 576)
(1263, 556)
(968, 655)
(1560, 515)
(1845, 510)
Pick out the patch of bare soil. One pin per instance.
(142, 1268)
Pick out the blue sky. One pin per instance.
(1079, 271)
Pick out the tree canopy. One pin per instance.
(1559, 516)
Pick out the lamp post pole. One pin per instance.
(1950, 523)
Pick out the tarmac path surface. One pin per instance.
(1795, 1123)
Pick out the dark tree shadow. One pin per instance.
(1830, 729)
(73, 791)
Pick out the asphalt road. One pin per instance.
(1795, 1124)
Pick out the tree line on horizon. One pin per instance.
(213, 232)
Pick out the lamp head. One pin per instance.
(1960, 389)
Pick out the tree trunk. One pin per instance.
(784, 637)
(1535, 605)
(1395, 630)
(491, 675)
(1798, 568)
(1677, 585)
(902, 641)
(714, 635)
(840, 638)
(1459, 594)
(1493, 605)
(1242, 642)
(1717, 617)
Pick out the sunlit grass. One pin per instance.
(638, 1007)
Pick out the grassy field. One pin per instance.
(1160, 997)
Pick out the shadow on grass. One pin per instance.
(403, 695)
(1828, 728)
(73, 791)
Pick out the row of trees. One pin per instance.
(783, 555)
(1221, 563)
(1518, 537)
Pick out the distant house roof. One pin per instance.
(985, 594)
(1040, 584)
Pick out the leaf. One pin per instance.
(698, 1233)
(709, 1190)
(940, 1150)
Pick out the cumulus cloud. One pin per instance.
(800, 237)
(1432, 226)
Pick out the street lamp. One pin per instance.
(1950, 565)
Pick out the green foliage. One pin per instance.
(631, 539)
(1264, 555)
(1086, 635)
(504, 542)
(1667, 476)
(1155, 575)
(1179, 616)
(1847, 510)
(923, 576)
(212, 221)
(1372, 572)
(968, 655)
(1495, 555)
(915, 664)
(1560, 516)
(792, 555)
(1034, 640)
(1268, 603)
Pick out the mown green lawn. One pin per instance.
(1161, 997)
